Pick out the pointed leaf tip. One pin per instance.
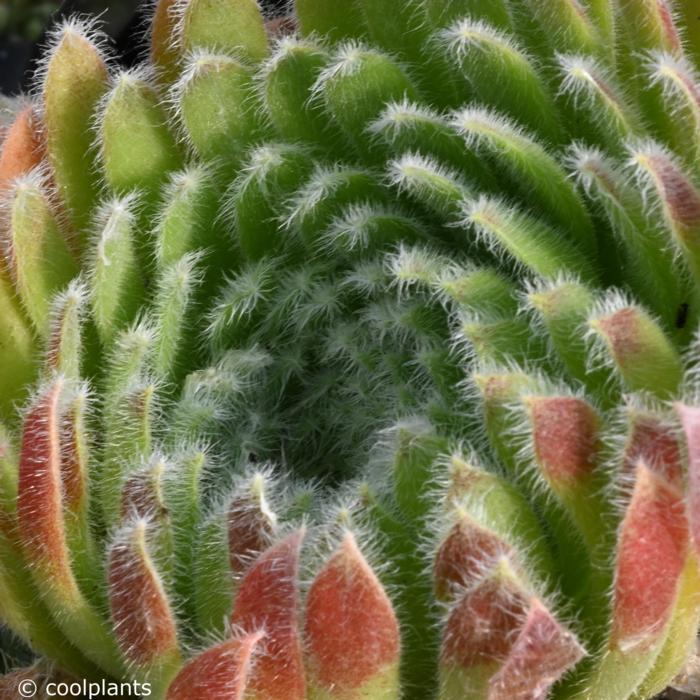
(268, 599)
(542, 654)
(250, 526)
(653, 441)
(652, 550)
(480, 627)
(142, 616)
(221, 672)
(639, 349)
(502, 643)
(464, 555)
(351, 629)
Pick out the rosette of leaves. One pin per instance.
(436, 261)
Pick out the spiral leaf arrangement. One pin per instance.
(358, 361)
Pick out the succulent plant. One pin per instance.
(357, 362)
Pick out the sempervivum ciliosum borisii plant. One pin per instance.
(436, 261)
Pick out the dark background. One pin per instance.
(23, 25)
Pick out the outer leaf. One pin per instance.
(232, 26)
(268, 599)
(351, 631)
(220, 672)
(141, 612)
(43, 530)
(115, 278)
(37, 252)
(653, 539)
(137, 147)
(74, 83)
(215, 97)
(22, 147)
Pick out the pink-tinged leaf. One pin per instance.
(654, 442)
(464, 555)
(268, 600)
(565, 437)
(219, 673)
(542, 654)
(639, 349)
(690, 420)
(142, 492)
(483, 626)
(652, 550)
(669, 30)
(74, 454)
(23, 148)
(620, 330)
(45, 530)
(250, 526)
(652, 23)
(351, 630)
(502, 643)
(143, 619)
(39, 501)
(679, 195)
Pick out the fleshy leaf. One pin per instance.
(351, 631)
(141, 612)
(220, 672)
(74, 83)
(22, 148)
(268, 600)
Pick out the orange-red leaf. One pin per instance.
(141, 613)
(464, 555)
(268, 600)
(39, 500)
(652, 550)
(23, 148)
(219, 673)
(351, 629)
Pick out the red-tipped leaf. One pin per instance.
(652, 549)
(543, 653)
(268, 600)
(220, 672)
(351, 629)
(466, 553)
(565, 437)
(39, 500)
(143, 619)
